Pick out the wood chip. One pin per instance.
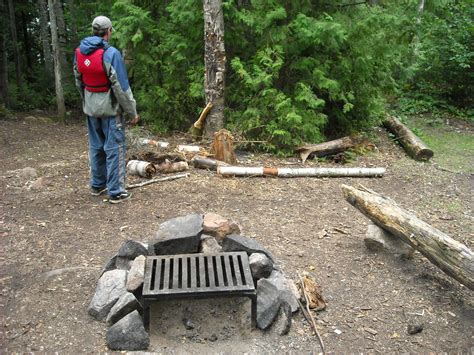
(371, 331)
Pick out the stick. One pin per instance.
(311, 318)
(152, 181)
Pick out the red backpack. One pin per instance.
(92, 69)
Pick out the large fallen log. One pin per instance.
(454, 258)
(326, 148)
(413, 145)
(201, 162)
(299, 172)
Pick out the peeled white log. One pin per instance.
(141, 168)
(159, 144)
(189, 148)
(451, 256)
(300, 172)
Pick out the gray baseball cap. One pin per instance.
(101, 23)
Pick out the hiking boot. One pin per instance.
(97, 191)
(120, 198)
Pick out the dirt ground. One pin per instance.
(305, 222)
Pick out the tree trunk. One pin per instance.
(454, 258)
(57, 62)
(416, 39)
(215, 61)
(326, 148)
(27, 45)
(299, 172)
(16, 51)
(413, 145)
(3, 66)
(65, 67)
(73, 23)
(45, 37)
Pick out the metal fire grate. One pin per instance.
(198, 276)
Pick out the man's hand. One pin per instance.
(135, 121)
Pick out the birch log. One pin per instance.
(299, 172)
(141, 168)
(326, 148)
(413, 145)
(454, 258)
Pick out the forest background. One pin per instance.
(297, 71)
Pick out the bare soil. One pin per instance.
(55, 238)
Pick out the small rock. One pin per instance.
(40, 183)
(287, 290)
(337, 331)
(213, 337)
(128, 334)
(110, 287)
(268, 303)
(414, 328)
(378, 239)
(236, 242)
(188, 324)
(125, 305)
(136, 274)
(260, 265)
(209, 245)
(130, 249)
(180, 235)
(28, 173)
(218, 226)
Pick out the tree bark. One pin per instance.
(16, 51)
(27, 45)
(413, 145)
(65, 67)
(326, 148)
(454, 258)
(3, 59)
(45, 37)
(215, 61)
(57, 61)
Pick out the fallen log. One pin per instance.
(172, 167)
(412, 144)
(160, 179)
(299, 172)
(201, 162)
(326, 148)
(141, 168)
(451, 256)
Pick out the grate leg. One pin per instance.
(146, 315)
(253, 314)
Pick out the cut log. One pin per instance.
(223, 148)
(152, 142)
(157, 159)
(299, 172)
(413, 145)
(201, 162)
(326, 148)
(170, 167)
(141, 168)
(451, 256)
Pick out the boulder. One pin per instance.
(218, 226)
(209, 245)
(110, 265)
(128, 334)
(286, 288)
(378, 239)
(136, 274)
(110, 287)
(180, 235)
(282, 324)
(130, 249)
(125, 305)
(260, 265)
(268, 303)
(236, 242)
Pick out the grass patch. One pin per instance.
(452, 150)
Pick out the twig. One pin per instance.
(152, 181)
(311, 318)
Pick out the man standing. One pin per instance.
(102, 81)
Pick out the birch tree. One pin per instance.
(45, 37)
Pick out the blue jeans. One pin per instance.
(107, 153)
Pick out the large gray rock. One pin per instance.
(136, 274)
(209, 245)
(378, 239)
(130, 249)
(125, 305)
(180, 235)
(128, 334)
(285, 288)
(268, 303)
(110, 287)
(282, 324)
(235, 242)
(260, 265)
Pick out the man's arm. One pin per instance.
(78, 78)
(117, 74)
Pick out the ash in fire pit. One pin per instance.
(119, 299)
